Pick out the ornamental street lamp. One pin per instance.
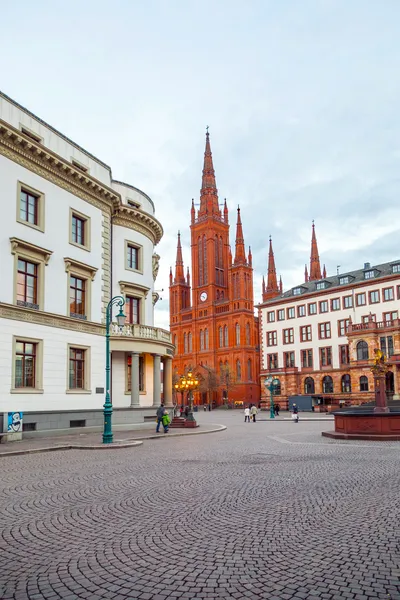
(107, 407)
(270, 384)
(188, 383)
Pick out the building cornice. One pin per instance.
(138, 220)
(20, 148)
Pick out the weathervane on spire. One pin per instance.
(207, 129)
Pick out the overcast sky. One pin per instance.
(302, 98)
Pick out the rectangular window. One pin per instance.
(307, 359)
(324, 330)
(390, 316)
(369, 274)
(132, 310)
(325, 356)
(296, 291)
(288, 336)
(386, 344)
(129, 374)
(347, 301)
(77, 369)
(291, 313)
(301, 310)
(30, 206)
(343, 326)
(133, 257)
(343, 280)
(335, 304)
(374, 297)
(288, 357)
(312, 308)
(388, 294)
(361, 299)
(305, 333)
(323, 306)
(78, 230)
(27, 284)
(77, 297)
(271, 316)
(272, 338)
(396, 268)
(281, 314)
(272, 361)
(344, 354)
(321, 285)
(25, 364)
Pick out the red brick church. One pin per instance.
(212, 315)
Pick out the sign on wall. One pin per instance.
(14, 422)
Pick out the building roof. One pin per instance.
(337, 281)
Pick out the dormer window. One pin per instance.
(296, 291)
(344, 280)
(369, 274)
(321, 285)
(396, 268)
(133, 204)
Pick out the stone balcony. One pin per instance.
(144, 337)
(374, 326)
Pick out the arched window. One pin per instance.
(217, 294)
(248, 334)
(206, 339)
(226, 337)
(237, 334)
(220, 337)
(221, 367)
(363, 383)
(309, 385)
(222, 294)
(238, 370)
(277, 388)
(249, 371)
(362, 350)
(190, 342)
(346, 384)
(185, 343)
(201, 339)
(327, 385)
(200, 260)
(205, 277)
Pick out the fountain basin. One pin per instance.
(366, 425)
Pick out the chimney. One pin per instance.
(367, 265)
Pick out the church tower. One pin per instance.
(216, 331)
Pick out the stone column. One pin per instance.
(156, 380)
(380, 394)
(135, 399)
(168, 382)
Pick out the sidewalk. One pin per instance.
(93, 441)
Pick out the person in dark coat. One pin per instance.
(295, 413)
(160, 413)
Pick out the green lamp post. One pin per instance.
(107, 407)
(270, 384)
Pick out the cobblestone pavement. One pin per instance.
(265, 510)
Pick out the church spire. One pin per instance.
(272, 288)
(324, 272)
(305, 274)
(315, 266)
(179, 272)
(208, 193)
(240, 253)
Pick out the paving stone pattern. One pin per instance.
(264, 510)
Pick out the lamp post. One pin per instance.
(188, 383)
(270, 384)
(107, 407)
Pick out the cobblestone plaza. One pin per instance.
(267, 510)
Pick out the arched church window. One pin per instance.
(190, 342)
(249, 371)
(220, 337)
(226, 336)
(201, 339)
(205, 265)
(248, 334)
(185, 343)
(206, 339)
(238, 370)
(237, 334)
(200, 260)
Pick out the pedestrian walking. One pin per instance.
(253, 412)
(247, 415)
(295, 413)
(277, 409)
(160, 414)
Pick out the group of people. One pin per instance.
(250, 411)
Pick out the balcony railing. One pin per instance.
(143, 332)
(371, 325)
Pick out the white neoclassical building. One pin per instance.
(71, 238)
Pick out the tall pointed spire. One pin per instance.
(240, 253)
(315, 267)
(305, 274)
(272, 288)
(179, 272)
(208, 193)
(280, 285)
(324, 272)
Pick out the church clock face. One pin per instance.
(203, 296)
